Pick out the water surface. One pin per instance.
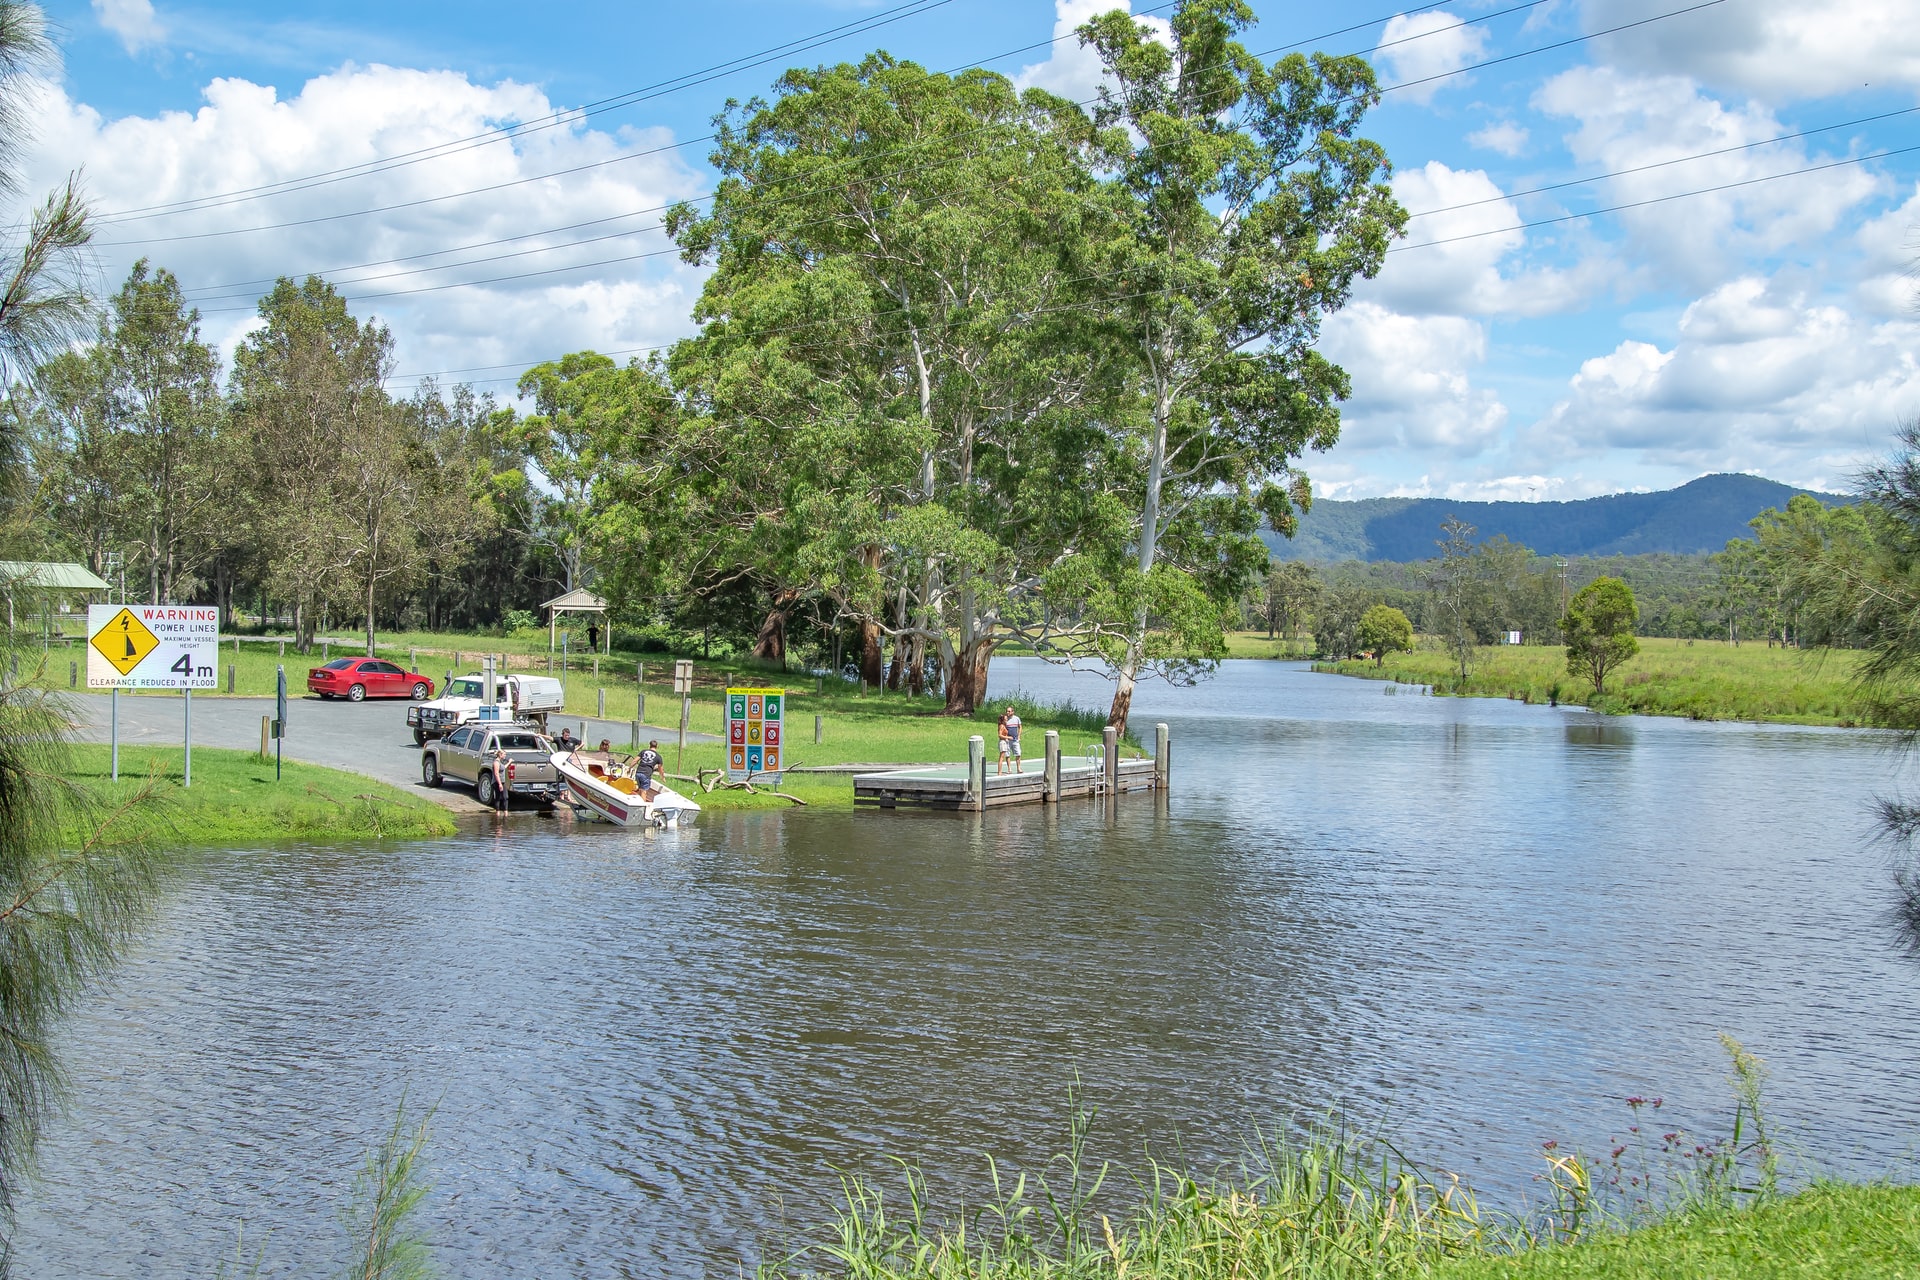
(1477, 923)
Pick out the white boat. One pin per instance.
(603, 787)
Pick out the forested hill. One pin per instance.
(1698, 516)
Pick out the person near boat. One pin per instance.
(650, 763)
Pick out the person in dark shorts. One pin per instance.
(650, 763)
(1010, 741)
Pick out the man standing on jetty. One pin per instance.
(1010, 741)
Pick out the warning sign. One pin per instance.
(753, 734)
(125, 642)
(152, 646)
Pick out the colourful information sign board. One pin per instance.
(756, 734)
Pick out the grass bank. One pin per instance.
(1698, 679)
(1333, 1204)
(234, 799)
(1829, 1230)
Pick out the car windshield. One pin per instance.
(339, 664)
(464, 689)
(517, 742)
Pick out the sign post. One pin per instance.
(756, 731)
(153, 646)
(683, 685)
(280, 717)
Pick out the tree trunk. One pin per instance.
(770, 645)
(917, 666)
(1122, 706)
(898, 667)
(967, 681)
(872, 660)
(370, 582)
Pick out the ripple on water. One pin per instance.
(1479, 923)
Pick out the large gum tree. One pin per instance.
(1246, 204)
(897, 371)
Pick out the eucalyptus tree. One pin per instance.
(896, 314)
(308, 402)
(1248, 206)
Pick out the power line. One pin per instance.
(1098, 303)
(1639, 204)
(859, 26)
(638, 155)
(1527, 4)
(1661, 164)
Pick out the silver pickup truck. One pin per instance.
(466, 755)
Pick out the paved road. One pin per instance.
(369, 738)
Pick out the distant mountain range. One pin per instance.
(1698, 516)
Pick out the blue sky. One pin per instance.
(1769, 326)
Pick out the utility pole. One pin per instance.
(1565, 567)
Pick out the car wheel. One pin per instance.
(419, 738)
(420, 691)
(484, 790)
(357, 693)
(430, 771)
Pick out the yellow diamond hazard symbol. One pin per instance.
(125, 641)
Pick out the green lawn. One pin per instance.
(235, 800)
(1831, 1232)
(1700, 679)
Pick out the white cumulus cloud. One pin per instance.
(1503, 136)
(134, 21)
(1419, 46)
(1412, 383)
(1760, 378)
(246, 136)
(1776, 50)
(1624, 122)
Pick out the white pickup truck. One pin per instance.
(516, 697)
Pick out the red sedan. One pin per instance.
(357, 678)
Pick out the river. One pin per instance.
(1474, 924)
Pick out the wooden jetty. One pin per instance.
(969, 788)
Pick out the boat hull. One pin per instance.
(597, 798)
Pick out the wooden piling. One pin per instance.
(229, 677)
(602, 712)
(1051, 771)
(266, 737)
(1110, 743)
(977, 772)
(1162, 762)
(816, 731)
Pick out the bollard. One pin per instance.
(444, 683)
(977, 772)
(1050, 774)
(1162, 764)
(1110, 743)
(73, 675)
(266, 736)
(283, 648)
(413, 661)
(229, 677)
(816, 731)
(636, 735)
(602, 712)
(639, 673)
(640, 711)
(323, 650)
(816, 684)
(236, 646)
(596, 666)
(456, 659)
